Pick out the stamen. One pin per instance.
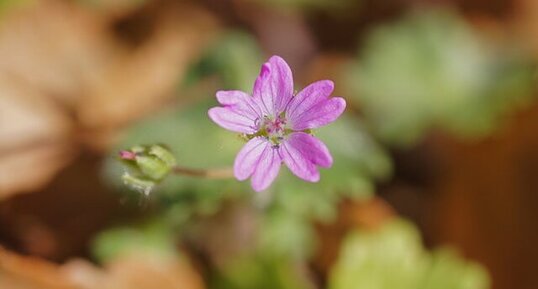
(274, 129)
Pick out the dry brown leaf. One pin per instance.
(52, 47)
(17, 272)
(137, 82)
(526, 23)
(34, 136)
(140, 271)
(67, 80)
(31, 169)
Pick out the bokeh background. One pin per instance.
(435, 181)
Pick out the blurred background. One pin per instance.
(435, 180)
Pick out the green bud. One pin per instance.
(146, 166)
(143, 185)
(163, 154)
(152, 167)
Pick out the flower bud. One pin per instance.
(146, 166)
(143, 185)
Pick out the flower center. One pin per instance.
(274, 129)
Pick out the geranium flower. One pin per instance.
(278, 125)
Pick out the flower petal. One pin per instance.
(241, 101)
(248, 157)
(274, 86)
(232, 119)
(299, 163)
(311, 149)
(319, 115)
(267, 169)
(309, 97)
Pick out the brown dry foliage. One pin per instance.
(70, 78)
(132, 271)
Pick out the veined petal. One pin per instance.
(267, 169)
(233, 119)
(249, 156)
(319, 115)
(298, 163)
(311, 148)
(309, 97)
(273, 88)
(241, 101)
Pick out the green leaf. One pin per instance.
(152, 236)
(393, 257)
(235, 58)
(253, 271)
(432, 70)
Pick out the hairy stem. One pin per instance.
(215, 174)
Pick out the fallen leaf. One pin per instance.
(133, 271)
(68, 80)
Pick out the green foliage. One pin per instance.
(261, 273)
(235, 58)
(432, 70)
(284, 233)
(393, 257)
(151, 236)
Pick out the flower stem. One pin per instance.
(214, 174)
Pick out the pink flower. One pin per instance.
(278, 125)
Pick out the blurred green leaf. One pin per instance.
(261, 273)
(432, 70)
(448, 271)
(235, 57)
(287, 235)
(393, 257)
(153, 236)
